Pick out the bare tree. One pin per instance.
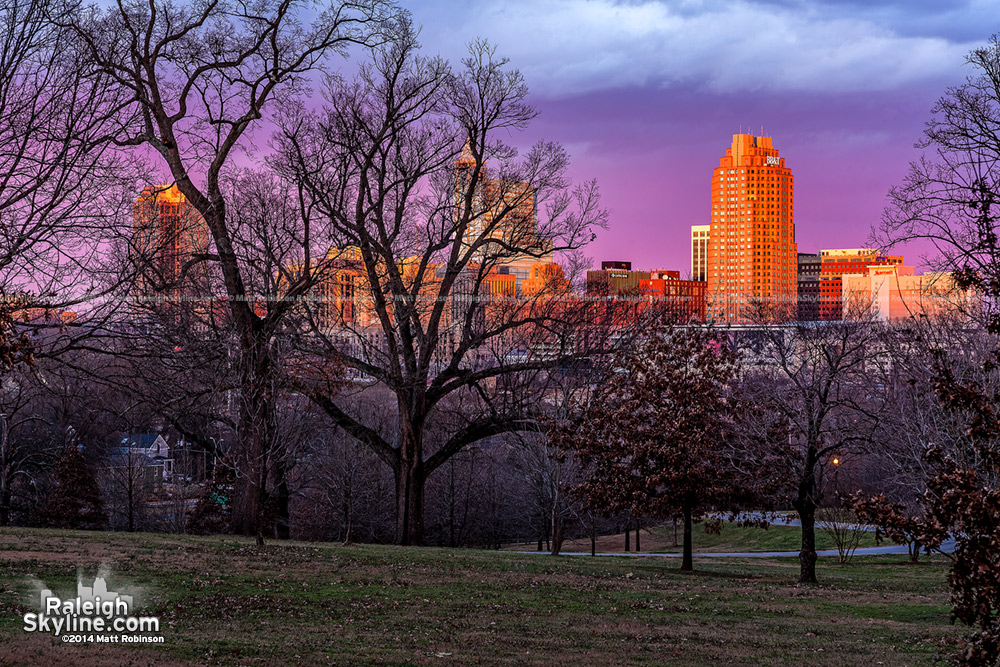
(198, 79)
(420, 228)
(61, 183)
(844, 527)
(818, 387)
(125, 487)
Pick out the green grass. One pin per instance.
(223, 601)
(733, 538)
(660, 539)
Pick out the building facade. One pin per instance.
(893, 292)
(808, 296)
(503, 224)
(167, 233)
(699, 251)
(834, 264)
(685, 300)
(752, 258)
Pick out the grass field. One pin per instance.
(223, 601)
(660, 539)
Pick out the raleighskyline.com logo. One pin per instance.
(95, 615)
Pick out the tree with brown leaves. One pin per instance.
(653, 434)
(76, 499)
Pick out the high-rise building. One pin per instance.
(504, 210)
(699, 251)
(752, 259)
(168, 233)
(808, 290)
(837, 263)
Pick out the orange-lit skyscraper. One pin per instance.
(168, 232)
(752, 256)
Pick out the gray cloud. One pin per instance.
(568, 47)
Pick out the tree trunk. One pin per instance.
(5, 500)
(6, 472)
(557, 533)
(806, 508)
(628, 528)
(260, 491)
(451, 504)
(687, 560)
(805, 505)
(254, 438)
(347, 510)
(638, 548)
(914, 551)
(557, 520)
(130, 496)
(282, 497)
(410, 495)
(675, 531)
(593, 537)
(807, 553)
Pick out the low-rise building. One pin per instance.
(895, 292)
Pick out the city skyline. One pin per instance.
(643, 93)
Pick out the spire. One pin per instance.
(466, 159)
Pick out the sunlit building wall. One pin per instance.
(752, 259)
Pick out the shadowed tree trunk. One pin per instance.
(687, 558)
(410, 479)
(805, 506)
(807, 552)
(593, 536)
(282, 520)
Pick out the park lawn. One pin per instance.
(732, 538)
(222, 600)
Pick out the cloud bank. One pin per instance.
(569, 47)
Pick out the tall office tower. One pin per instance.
(808, 297)
(752, 260)
(168, 232)
(837, 263)
(503, 209)
(699, 251)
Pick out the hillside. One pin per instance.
(222, 601)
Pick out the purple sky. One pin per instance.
(646, 95)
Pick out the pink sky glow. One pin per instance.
(646, 95)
